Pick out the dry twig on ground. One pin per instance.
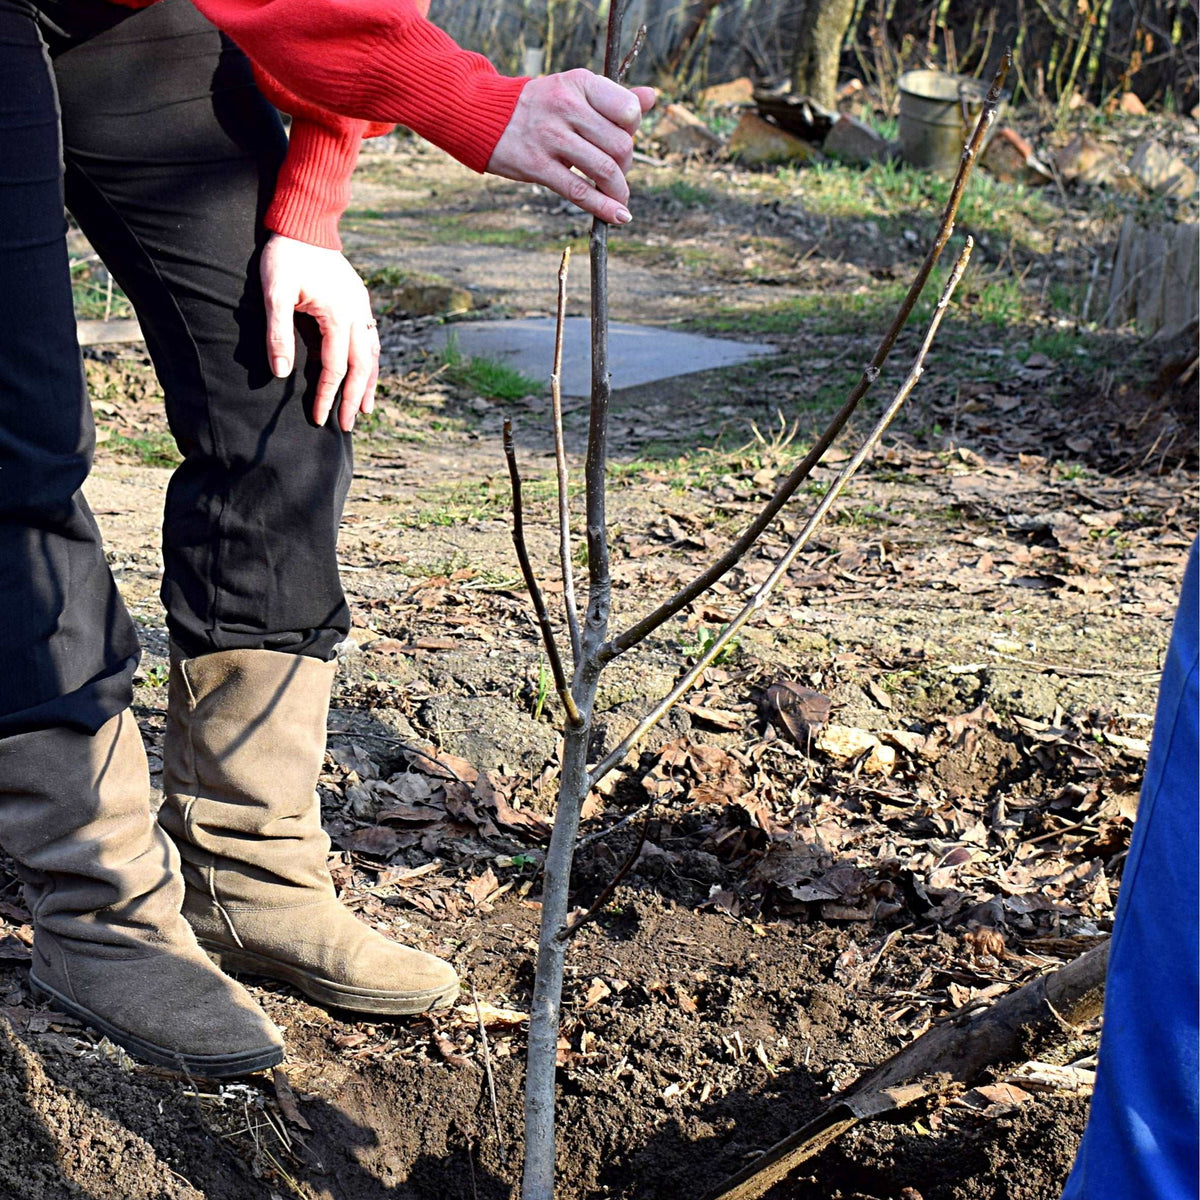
(955, 1052)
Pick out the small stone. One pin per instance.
(1011, 158)
(736, 91)
(427, 296)
(1162, 172)
(680, 131)
(854, 141)
(1088, 161)
(1130, 103)
(756, 141)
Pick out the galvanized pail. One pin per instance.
(937, 114)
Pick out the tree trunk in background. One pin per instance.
(818, 51)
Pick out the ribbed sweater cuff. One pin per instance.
(313, 188)
(462, 104)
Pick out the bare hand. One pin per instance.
(298, 277)
(575, 119)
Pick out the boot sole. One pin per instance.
(207, 1066)
(376, 1001)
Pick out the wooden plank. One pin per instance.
(99, 333)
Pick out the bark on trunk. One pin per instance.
(818, 51)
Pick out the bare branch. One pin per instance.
(491, 1082)
(761, 596)
(639, 40)
(611, 886)
(560, 462)
(665, 611)
(531, 583)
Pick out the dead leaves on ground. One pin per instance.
(870, 825)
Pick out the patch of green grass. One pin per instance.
(151, 449)
(859, 516)
(487, 376)
(702, 642)
(91, 297)
(999, 302)
(685, 193)
(1071, 470)
(893, 190)
(463, 229)
(1078, 350)
(886, 127)
(820, 312)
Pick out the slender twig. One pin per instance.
(682, 598)
(639, 40)
(487, 1070)
(565, 935)
(616, 826)
(560, 463)
(760, 597)
(535, 592)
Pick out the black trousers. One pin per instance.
(147, 124)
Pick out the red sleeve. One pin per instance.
(313, 187)
(376, 61)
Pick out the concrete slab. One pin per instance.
(638, 353)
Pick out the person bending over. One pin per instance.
(154, 123)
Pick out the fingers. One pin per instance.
(647, 97)
(582, 192)
(607, 174)
(617, 104)
(613, 141)
(362, 373)
(281, 331)
(368, 404)
(335, 353)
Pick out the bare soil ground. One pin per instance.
(992, 600)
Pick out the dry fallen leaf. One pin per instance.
(848, 744)
(448, 1050)
(599, 990)
(493, 1017)
(482, 887)
(985, 941)
(799, 711)
(287, 1099)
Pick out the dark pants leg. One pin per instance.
(69, 646)
(170, 157)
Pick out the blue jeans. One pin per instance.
(1141, 1139)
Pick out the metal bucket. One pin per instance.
(937, 114)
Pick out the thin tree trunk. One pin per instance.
(818, 50)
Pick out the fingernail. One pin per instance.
(281, 366)
(624, 216)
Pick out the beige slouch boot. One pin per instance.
(102, 882)
(244, 747)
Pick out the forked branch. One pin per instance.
(760, 597)
(682, 598)
(560, 464)
(531, 583)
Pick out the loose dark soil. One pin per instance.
(992, 599)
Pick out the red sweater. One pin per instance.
(349, 69)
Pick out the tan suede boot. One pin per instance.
(245, 742)
(102, 882)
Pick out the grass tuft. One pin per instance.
(487, 376)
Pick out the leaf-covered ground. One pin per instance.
(908, 789)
